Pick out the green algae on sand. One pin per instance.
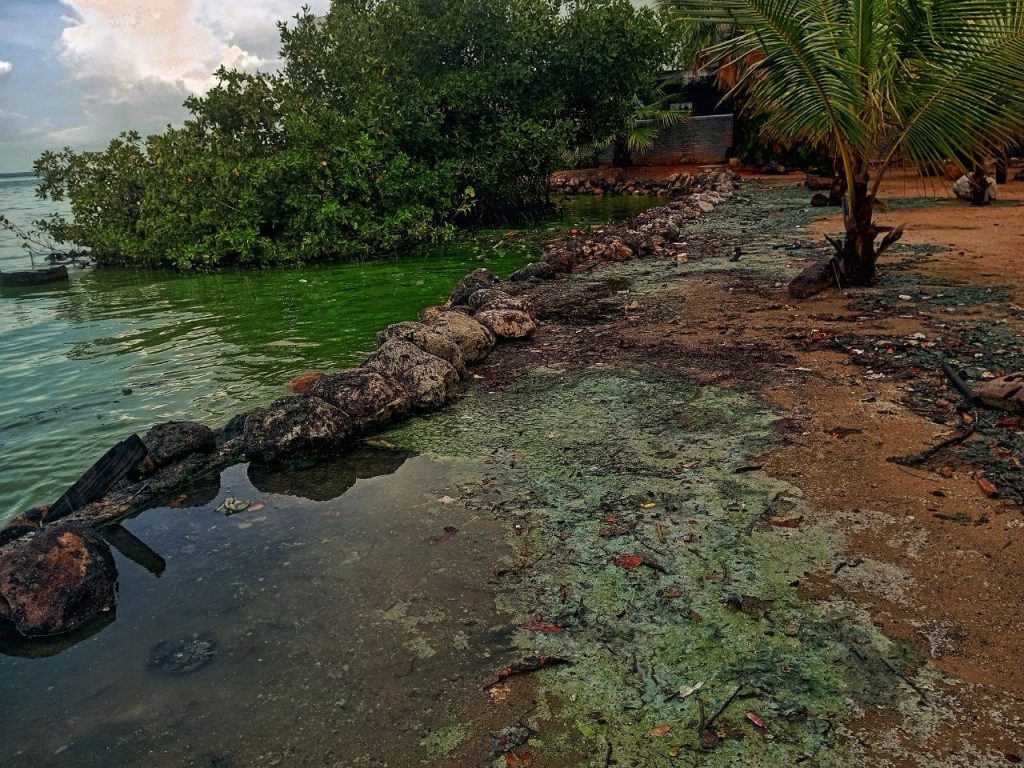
(667, 570)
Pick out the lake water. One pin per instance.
(83, 365)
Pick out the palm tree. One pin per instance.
(874, 82)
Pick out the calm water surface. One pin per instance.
(84, 365)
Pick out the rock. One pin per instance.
(183, 657)
(58, 582)
(295, 425)
(370, 399)
(507, 323)
(813, 280)
(174, 440)
(300, 384)
(1005, 393)
(705, 206)
(470, 284)
(618, 251)
(561, 259)
(475, 341)
(427, 339)
(429, 381)
(964, 189)
(537, 271)
(492, 298)
(820, 200)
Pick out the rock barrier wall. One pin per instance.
(417, 368)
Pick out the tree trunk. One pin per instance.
(622, 157)
(1002, 166)
(856, 260)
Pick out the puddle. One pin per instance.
(307, 632)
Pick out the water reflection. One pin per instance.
(325, 480)
(310, 633)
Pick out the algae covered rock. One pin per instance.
(470, 284)
(429, 381)
(507, 323)
(427, 339)
(174, 440)
(475, 341)
(539, 270)
(370, 399)
(58, 582)
(295, 425)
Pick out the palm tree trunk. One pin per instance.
(857, 258)
(622, 157)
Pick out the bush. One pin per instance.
(390, 121)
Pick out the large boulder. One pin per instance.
(492, 298)
(370, 399)
(539, 270)
(470, 284)
(475, 341)
(429, 381)
(174, 440)
(58, 582)
(295, 425)
(1006, 392)
(427, 339)
(507, 323)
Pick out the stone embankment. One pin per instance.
(676, 185)
(57, 574)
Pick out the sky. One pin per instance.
(78, 72)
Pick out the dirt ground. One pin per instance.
(933, 560)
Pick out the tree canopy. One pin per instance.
(389, 121)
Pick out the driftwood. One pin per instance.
(115, 465)
(813, 280)
(962, 436)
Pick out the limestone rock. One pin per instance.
(427, 339)
(492, 298)
(475, 341)
(370, 399)
(429, 381)
(174, 440)
(295, 425)
(58, 582)
(1006, 393)
(470, 284)
(539, 270)
(507, 323)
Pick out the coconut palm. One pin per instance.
(875, 82)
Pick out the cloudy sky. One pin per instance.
(77, 72)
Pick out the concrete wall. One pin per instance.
(695, 140)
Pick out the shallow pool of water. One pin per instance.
(304, 633)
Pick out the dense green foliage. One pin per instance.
(873, 82)
(390, 121)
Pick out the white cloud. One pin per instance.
(5, 68)
(125, 45)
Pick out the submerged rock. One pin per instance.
(58, 582)
(182, 657)
(295, 425)
(539, 270)
(470, 284)
(366, 396)
(475, 341)
(173, 441)
(429, 381)
(507, 323)
(427, 339)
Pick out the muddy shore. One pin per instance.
(692, 474)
